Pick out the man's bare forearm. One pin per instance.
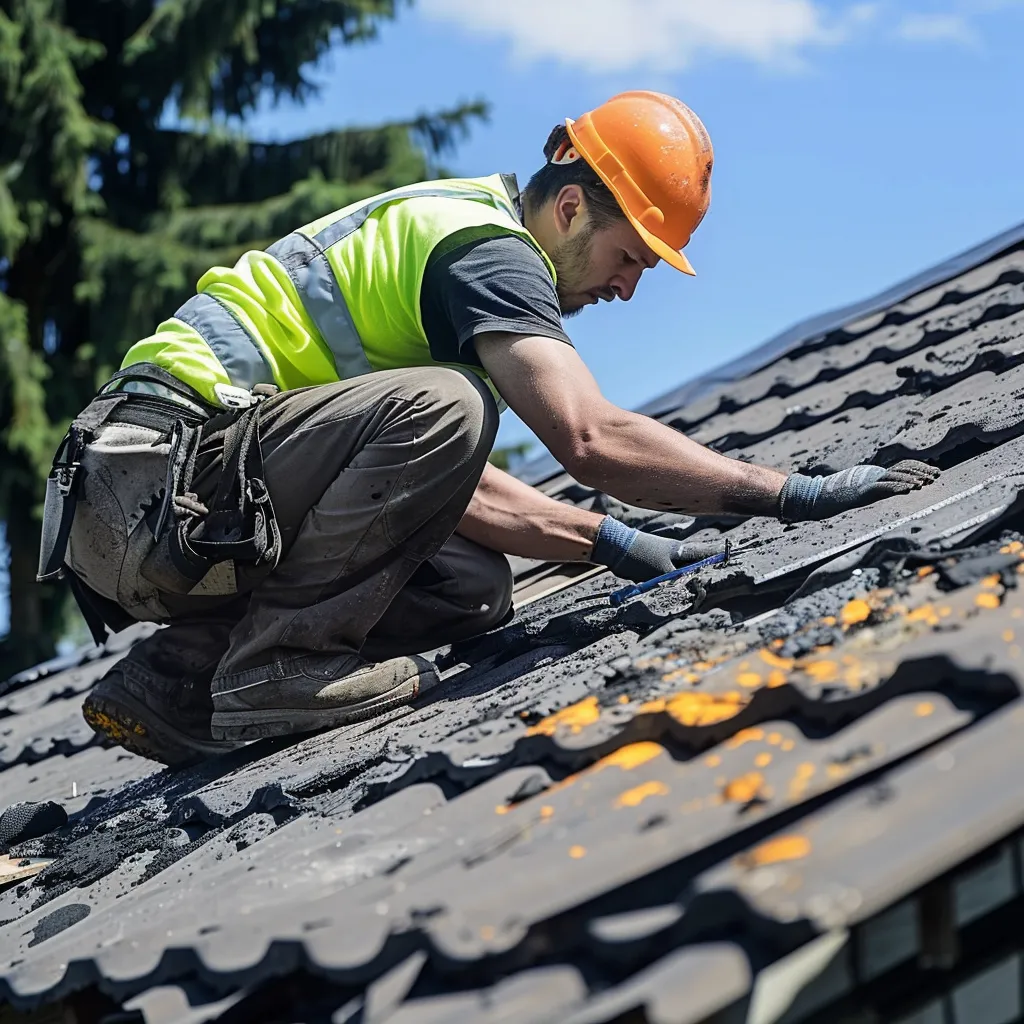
(509, 516)
(643, 462)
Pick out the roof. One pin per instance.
(778, 789)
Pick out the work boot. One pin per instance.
(313, 692)
(166, 719)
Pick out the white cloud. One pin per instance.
(938, 28)
(661, 35)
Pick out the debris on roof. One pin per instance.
(782, 789)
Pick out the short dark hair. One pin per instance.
(552, 178)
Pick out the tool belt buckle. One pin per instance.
(65, 477)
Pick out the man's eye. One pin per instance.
(627, 259)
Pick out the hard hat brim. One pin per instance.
(671, 256)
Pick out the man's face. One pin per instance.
(603, 263)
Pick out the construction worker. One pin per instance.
(292, 474)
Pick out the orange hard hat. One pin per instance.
(655, 156)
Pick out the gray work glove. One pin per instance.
(638, 556)
(820, 497)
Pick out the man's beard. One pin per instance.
(572, 261)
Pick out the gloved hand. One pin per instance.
(819, 497)
(638, 556)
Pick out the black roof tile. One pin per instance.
(669, 809)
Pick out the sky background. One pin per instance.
(856, 144)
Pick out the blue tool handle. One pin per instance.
(617, 597)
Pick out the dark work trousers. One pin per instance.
(369, 479)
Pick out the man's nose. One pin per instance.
(624, 285)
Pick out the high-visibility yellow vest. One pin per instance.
(338, 298)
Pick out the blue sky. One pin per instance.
(855, 144)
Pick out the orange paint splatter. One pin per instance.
(680, 675)
(924, 709)
(856, 611)
(763, 760)
(926, 613)
(990, 601)
(546, 812)
(776, 851)
(828, 620)
(576, 852)
(1013, 548)
(775, 738)
(822, 671)
(630, 756)
(992, 582)
(745, 788)
(748, 680)
(712, 760)
(925, 570)
(788, 745)
(801, 780)
(1008, 636)
(744, 736)
(638, 794)
(501, 809)
(777, 678)
(573, 718)
(698, 708)
(775, 661)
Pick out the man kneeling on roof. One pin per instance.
(292, 474)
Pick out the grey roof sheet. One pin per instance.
(675, 809)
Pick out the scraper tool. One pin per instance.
(617, 597)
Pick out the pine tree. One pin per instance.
(109, 213)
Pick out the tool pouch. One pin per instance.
(196, 551)
(189, 540)
(63, 485)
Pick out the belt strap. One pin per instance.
(67, 472)
(240, 524)
(153, 374)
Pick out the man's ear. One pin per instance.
(569, 204)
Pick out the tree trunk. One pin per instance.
(36, 608)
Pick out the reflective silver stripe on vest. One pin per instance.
(230, 342)
(318, 289)
(306, 262)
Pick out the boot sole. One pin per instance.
(130, 724)
(242, 726)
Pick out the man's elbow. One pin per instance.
(586, 456)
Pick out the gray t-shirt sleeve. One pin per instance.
(488, 284)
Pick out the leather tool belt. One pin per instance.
(190, 538)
